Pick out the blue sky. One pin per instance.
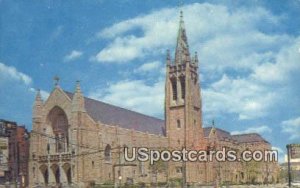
(249, 58)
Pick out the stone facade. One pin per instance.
(239, 172)
(79, 141)
(68, 145)
(3, 159)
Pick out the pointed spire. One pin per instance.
(78, 99)
(181, 16)
(38, 105)
(182, 54)
(168, 58)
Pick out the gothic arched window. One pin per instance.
(107, 153)
(182, 84)
(59, 121)
(174, 88)
(178, 124)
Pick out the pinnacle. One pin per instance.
(78, 90)
(38, 96)
(168, 55)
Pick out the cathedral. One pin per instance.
(77, 141)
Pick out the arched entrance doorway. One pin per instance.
(68, 172)
(45, 174)
(56, 173)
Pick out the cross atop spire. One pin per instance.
(182, 54)
(56, 80)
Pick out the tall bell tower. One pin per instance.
(183, 112)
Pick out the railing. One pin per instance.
(43, 158)
(54, 157)
(57, 157)
(66, 156)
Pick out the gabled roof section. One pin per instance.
(221, 134)
(241, 138)
(249, 138)
(117, 116)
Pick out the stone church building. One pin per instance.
(78, 141)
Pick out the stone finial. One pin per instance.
(196, 59)
(181, 16)
(38, 105)
(168, 54)
(78, 100)
(78, 90)
(38, 96)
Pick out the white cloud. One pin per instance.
(121, 51)
(292, 127)
(258, 129)
(280, 151)
(260, 61)
(209, 35)
(10, 72)
(279, 69)
(148, 67)
(281, 154)
(253, 95)
(73, 55)
(239, 51)
(56, 33)
(135, 95)
(44, 94)
(239, 96)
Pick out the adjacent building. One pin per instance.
(79, 141)
(240, 172)
(14, 152)
(294, 164)
(3, 157)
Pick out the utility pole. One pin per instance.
(120, 175)
(184, 147)
(289, 164)
(16, 171)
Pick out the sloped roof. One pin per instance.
(222, 134)
(241, 138)
(249, 138)
(117, 116)
(206, 131)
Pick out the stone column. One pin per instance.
(39, 180)
(51, 175)
(63, 177)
